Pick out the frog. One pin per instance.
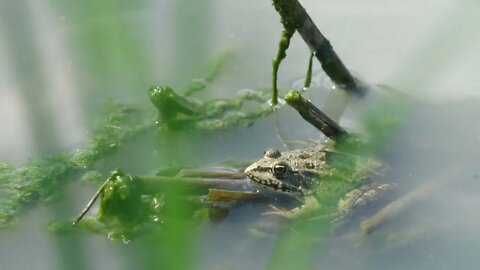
(340, 174)
(320, 176)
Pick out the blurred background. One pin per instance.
(61, 61)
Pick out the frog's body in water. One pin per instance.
(322, 176)
(291, 171)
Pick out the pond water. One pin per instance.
(60, 61)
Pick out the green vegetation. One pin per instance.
(121, 124)
(294, 18)
(39, 179)
(170, 217)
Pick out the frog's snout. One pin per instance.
(249, 171)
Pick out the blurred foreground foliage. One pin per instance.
(121, 123)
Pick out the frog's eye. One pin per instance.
(279, 169)
(271, 153)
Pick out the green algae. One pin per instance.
(121, 123)
(290, 18)
(283, 45)
(176, 112)
(23, 187)
(308, 77)
(38, 180)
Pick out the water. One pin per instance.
(437, 231)
(64, 60)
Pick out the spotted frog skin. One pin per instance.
(293, 171)
(321, 173)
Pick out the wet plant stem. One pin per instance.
(315, 116)
(281, 54)
(308, 77)
(295, 18)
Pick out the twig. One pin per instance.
(395, 207)
(315, 116)
(308, 77)
(295, 17)
(91, 202)
(153, 184)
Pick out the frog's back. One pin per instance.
(310, 159)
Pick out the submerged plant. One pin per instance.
(122, 123)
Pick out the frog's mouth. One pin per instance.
(274, 184)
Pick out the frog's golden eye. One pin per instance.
(279, 169)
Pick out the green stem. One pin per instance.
(315, 116)
(281, 54)
(294, 16)
(154, 184)
(308, 77)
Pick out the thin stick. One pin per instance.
(308, 77)
(285, 37)
(294, 16)
(395, 207)
(315, 116)
(91, 202)
(153, 184)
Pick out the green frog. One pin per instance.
(321, 177)
(334, 178)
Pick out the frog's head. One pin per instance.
(279, 172)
